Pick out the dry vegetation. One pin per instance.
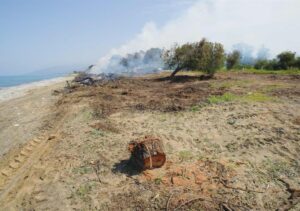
(232, 143)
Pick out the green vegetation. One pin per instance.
(276, 168)
(286, 60)
(84, 190)
(272, 87)
(227, 97)
(87, 114)
(195, 108)
(82, 170)
(185, 155)
(250, 97)
(158, 181)
(203, 55)
(275, 72)
(256, 97)
(97, 133)
(233, 60)
(210, 57)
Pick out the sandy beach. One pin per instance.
(21, 90)
(24, 110)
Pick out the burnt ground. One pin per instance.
(160, 93)
(148, 93)
(232, 143)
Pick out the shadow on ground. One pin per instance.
(126, 167)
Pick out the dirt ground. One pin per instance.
(232, 143)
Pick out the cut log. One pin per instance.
(147, 152)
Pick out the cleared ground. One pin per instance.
(232, 143)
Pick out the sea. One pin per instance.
(15, 80)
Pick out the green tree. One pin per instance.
(179, 57)
(261, 64)
(297, 62)
(272, 65)
(205, 56)
(217, 58)
(233, 60)
(286, 60)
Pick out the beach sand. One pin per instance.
(24, 110)
(9, 93)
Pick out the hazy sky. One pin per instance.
(38, 34)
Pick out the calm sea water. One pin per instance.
(8, 81)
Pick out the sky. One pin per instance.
(40, 34)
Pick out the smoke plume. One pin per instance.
(141, 62)
(271, 23)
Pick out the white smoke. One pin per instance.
(271, 23)
(137, 63)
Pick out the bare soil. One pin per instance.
(231, 155)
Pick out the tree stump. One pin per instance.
(147, 152)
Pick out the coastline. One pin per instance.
(9, 93)
(25, 109)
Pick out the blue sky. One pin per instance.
(38, 34)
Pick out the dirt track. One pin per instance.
(242, 154)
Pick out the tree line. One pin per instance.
(210, 56)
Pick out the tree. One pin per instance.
(205, 56)
(286, 60)
(261, 64)
(217, 58)
(179, 57)
(297, 62)
(233, 60)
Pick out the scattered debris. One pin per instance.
(148, 152)
(92, 79)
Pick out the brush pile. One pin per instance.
(89, 79)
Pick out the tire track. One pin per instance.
(18, 167)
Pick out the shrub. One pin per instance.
(261, 64)
(233, 60)
(227, 97)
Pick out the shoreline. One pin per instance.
(9, 93)
(25, 109)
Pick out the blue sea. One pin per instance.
(14, 80)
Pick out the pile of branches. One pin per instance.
(90, 79)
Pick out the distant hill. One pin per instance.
(44, 74)
(58, 70)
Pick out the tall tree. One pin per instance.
(233, 60)
(286, 59)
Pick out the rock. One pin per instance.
(231, 121)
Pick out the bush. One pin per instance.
(233, 60)
(261, 64)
